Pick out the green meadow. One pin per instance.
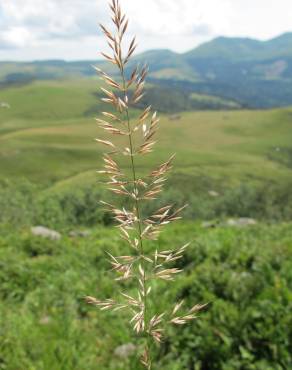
(229, 164)
(48, 135)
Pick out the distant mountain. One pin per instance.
(249, 72)
(244, 49)
(257, 74)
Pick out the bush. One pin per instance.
(24, 203)
(17, 202)
(75, 206)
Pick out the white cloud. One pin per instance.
(18, 37)
(68, 28)
(167, 18)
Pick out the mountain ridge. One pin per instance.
(254, 73)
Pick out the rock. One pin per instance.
(45, 320)
(213, 194)
(79, 233)
(175, 117)
(44, 232)
(241, 222)
(125, 351)
(209, 224)
(4, 105)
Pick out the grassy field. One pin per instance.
(48, 163)
(245, 274)
(48, 135)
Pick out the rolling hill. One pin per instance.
(48, 133)
(48, 154)
(250, 73)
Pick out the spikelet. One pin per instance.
(137, 139)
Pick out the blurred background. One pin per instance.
(220, 75)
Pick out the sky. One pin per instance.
(68, 29)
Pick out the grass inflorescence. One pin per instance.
(136, 138)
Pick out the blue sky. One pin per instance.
(67, 29)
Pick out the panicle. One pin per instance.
(130, 139)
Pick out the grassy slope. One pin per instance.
(48, 135)
(214, 99)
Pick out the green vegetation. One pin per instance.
(75, 202)
(245, 274)
(46, 137)
(170, 100)
(218, 103)
(228, 164)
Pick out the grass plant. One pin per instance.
(146, 263)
